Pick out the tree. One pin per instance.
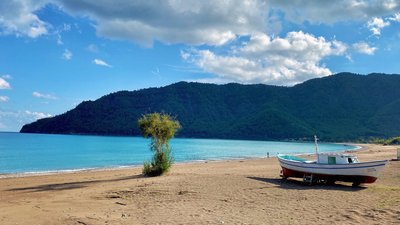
(160, 127)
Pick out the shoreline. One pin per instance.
(113, 168)
(247, 191)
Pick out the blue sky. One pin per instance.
(55, 54)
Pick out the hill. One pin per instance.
(340, 107)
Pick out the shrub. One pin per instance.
(160, 128)
(161, 163)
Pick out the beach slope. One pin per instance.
(225, 192)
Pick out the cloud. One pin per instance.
(191, 22)
(67, 54)
(395, 17)
(45, 96)
(4, 99)
(364, 48)
(18, 17)
(6, 76)
(101, 63)
(64, 28)
(14, 120)
(156, 71)
(92, 48)
(4, 84)
(37, 115)
(59, 39)
(376, 24)
(316, 11)
(264, 59)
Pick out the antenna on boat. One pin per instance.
(316, 144)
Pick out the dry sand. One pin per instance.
(226, 192)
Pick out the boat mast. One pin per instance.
(316, 144)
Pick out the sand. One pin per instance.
(224, 192)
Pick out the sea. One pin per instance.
(49, 153)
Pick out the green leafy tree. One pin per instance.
(160, 127)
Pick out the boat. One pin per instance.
(330, 167)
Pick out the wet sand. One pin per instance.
(223, 192)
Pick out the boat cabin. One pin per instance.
(332, 158)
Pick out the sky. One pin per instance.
(55, 54)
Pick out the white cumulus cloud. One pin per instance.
(215, 22)
(317, 11)
(14, 120)
(67, 54)
(45, 96)
(4, 84)
(19, 18)
(37, 115)
(395, 17)
(364, 48)
(376, 24)
(264, 59)
(170, 21)
(4, 98)
(190, 22)
(101, 63)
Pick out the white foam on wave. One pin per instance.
(64, 171)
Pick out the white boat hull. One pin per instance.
(366, 172)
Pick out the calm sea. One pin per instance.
(32, 153)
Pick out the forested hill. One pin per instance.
(340, 107)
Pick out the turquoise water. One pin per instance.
(30, 153)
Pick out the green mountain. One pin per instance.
(340, 107)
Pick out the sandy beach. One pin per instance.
(219, 192)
